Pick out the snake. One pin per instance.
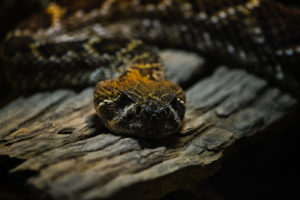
(112, 44)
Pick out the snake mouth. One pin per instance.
(155, 131)
(150, 131)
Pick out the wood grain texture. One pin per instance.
(57, 135)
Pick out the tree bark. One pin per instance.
(57, 136)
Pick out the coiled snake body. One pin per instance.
(78, 43)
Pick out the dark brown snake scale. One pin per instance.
(77, 43)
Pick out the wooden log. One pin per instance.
(57, 135)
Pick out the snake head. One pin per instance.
(151, 109)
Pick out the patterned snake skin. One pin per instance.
(78, 43)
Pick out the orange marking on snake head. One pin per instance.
(56, 12)
(146, 80)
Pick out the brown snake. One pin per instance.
(78, 43)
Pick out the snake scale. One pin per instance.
(107, 43)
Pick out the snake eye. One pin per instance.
(125, 99)
(174, 103)
(178, 106)
(167, 109)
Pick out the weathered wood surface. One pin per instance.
(57, 135)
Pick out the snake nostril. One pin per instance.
(154, 118)
(129, 117)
